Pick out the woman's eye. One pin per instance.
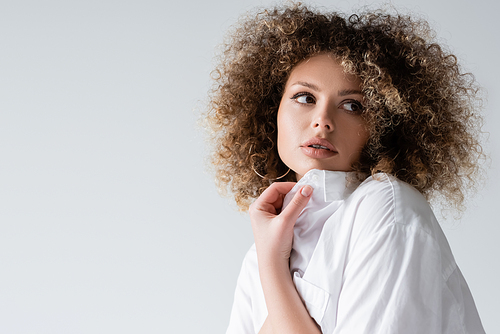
(304, 98)
(353, 107)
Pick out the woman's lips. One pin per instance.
(318, 148)
(317, 153)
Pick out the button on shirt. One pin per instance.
(366, 258)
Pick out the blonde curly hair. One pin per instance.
(420, 107)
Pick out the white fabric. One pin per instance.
(366, 259)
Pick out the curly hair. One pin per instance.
(420, 107)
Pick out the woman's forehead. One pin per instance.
(320, 70)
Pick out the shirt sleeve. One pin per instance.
(241, 320)
(392, 284)
(397, 272)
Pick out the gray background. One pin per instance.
(108, 221)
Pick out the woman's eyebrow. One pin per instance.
(345, 92)
(308, 85)
(342, 92)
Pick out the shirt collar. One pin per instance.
(329, 185)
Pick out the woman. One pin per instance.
(371, 119)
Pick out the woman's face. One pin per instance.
(319, 118)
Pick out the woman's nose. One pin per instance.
(322, 120)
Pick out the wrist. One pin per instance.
(273, 274)
(274, 265)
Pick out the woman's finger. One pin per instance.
(273, 196)
(297, 204)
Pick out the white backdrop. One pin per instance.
(108, 221)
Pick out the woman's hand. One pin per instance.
(273, 228)
(273, 233)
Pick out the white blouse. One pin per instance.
(368, 258)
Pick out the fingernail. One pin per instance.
(306, 191)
